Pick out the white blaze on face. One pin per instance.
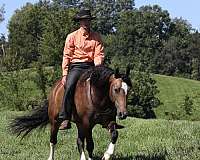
(125, 87)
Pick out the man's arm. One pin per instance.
(99, 51)
(67, 54)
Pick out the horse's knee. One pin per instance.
(80, 144)
(53, 140)
(53, 136)
(114, 136)
(112, 127)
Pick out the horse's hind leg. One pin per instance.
(53, 138)
(114, 135)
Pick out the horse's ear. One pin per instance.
(128, 69)
(117, 74)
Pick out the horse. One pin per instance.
(100, 96)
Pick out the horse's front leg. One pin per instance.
(89, 143)
(80, 142)
(114, 135)
(53, 138)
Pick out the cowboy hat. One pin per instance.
(84, 14)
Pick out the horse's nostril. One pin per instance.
(126, 114)
(122, 115)
(119, 114)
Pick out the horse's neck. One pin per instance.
(100, 97)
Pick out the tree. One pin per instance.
(67, 3)
(2, 37)
(140, 35)
(25, 28)
(194, 49)
(57, 24)
(175, 57)
(2, 11)
(107, 13)
(2, 45)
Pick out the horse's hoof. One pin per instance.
(106, 157)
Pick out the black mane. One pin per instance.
(99, 75)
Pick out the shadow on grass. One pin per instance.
(156, 156)
(115, 158)
(150, 157)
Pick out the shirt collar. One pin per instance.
(83, 32)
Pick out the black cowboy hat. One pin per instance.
(84, 14)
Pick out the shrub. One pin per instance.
(26, 89)
(18, 91)
(142, 99)
(187, 106)
(185, 110)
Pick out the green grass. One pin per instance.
(172, 93)
(140, 140)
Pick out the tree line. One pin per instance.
(146, 38)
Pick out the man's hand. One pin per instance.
(64, 80)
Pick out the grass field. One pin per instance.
(140, 140)
(172, 93)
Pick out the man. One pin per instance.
(83, 49)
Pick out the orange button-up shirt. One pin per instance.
(81, 46)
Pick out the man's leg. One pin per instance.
(68, 98)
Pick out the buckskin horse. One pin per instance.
(100, 96)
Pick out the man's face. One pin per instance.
(85, 23)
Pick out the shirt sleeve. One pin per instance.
(67, 54)
(99, 51)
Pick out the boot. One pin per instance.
(62, 114)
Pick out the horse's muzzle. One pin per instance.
(122, 115)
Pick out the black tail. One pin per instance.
(25, 124)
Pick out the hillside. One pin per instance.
(140, 140)
(173, 91)
(172, 94)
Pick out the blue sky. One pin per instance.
(189, 10)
